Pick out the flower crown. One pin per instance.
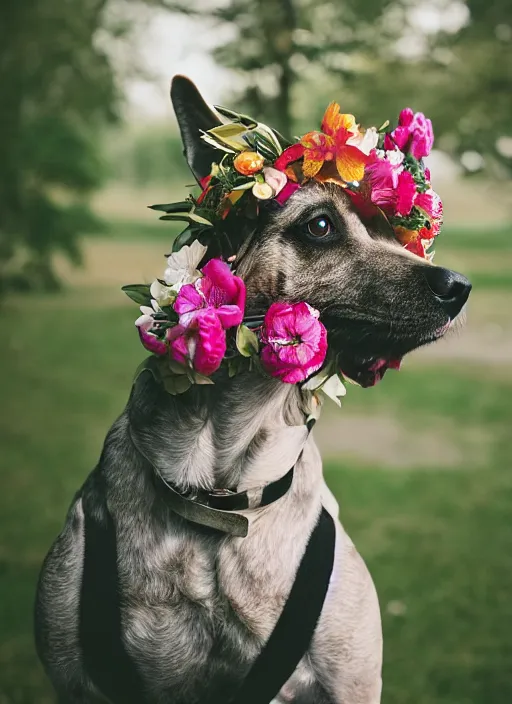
(194, 320)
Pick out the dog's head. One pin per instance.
(377, 300)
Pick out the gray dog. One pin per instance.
(197, 605)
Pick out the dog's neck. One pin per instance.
(241, 432)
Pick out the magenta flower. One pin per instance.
(207, 308)
(382, 177)
(405, 193)
(202, 342)
(219, 289)
(431, 203)
(294, 341)
(150, 341)
(286, 192)
(414, 134)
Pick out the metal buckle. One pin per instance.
(222, 492)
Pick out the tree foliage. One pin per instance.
(58, 88)
(293, 55)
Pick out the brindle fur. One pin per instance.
(198, 608)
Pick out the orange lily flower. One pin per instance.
(339, 141)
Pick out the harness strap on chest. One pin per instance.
(292, 635)
(112, 669)
(105, 658)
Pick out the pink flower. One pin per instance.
(207, 308)
(405, 193)
(391, 187)
(431, 203)
(276, 179)
(294, 341)
(150, 341)
(286, 192)
(382, 177)
(414, 134)
(219, 289)
(202, 342)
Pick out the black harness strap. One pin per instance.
(106, 661)
(292, 635)
(112, 669)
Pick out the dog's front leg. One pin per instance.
(346, 652)
(57, 614)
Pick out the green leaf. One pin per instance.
(185, 237)
(244, 186)
(246, 341)
(216, 143)
(188, 217)
(229, 130)
(172, 207)
(176, 384)
(176, 368)
(170, 313)
(200, 220)
(138, 293)
(201, 378)
(237, 117)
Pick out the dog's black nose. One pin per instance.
(450, 289)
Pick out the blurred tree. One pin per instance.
(275, 41)
(455, 64)
(57, 90)
(450, 58)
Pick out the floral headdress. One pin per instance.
(194, 320)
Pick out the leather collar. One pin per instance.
(216, 509)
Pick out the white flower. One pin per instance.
(334, 389)
(162, 295)
(145, 321)
(182, 265)
(365, 142)
(395, 156)
(262, 191)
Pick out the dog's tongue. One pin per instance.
(375, 372)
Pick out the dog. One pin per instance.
(198, 605)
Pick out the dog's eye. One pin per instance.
(320, 226)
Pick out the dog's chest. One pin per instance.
(196, 611)
(180, 626)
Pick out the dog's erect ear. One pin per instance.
(193, 115)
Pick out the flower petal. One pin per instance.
(211, 343)
(330, 120)
(311, 167)
(350, 163)
(151, 342)
(221, 287)
(290, 154)
(287, 191)
(188, 300)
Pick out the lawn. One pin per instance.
(437, 535)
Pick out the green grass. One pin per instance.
(438, 541)
(497, 239)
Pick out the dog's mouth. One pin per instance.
(369, 369)
(370, 372)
